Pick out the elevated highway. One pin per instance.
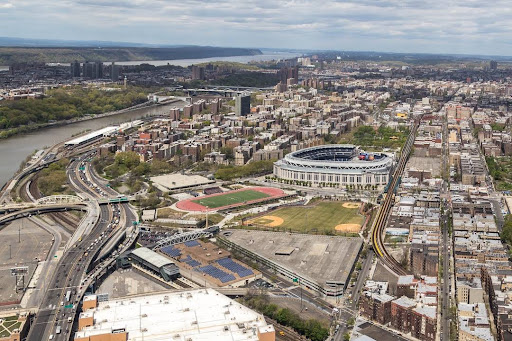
(78, 270)
(41, 209)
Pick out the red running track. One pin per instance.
(189, 205)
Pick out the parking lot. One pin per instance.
(128, 282)
(34, 244)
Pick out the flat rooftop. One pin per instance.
(318, 258)
(173, 181)
(92, 135)
(199, 315)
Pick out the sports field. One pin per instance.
(236, 198)
(324, 217)
(230, 198)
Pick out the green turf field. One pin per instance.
(321, 218)
(230, 198)
(8, 325)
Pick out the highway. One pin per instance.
(379, 224)
(56, 310)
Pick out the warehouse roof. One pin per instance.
(152, 257)
(199, 315)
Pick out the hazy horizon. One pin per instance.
(408, 26)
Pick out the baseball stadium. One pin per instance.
(341, 164)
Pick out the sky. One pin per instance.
(448, 26)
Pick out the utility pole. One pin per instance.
(300, 295)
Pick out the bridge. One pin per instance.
(226, 91)
(116, 200)
(183, 237)
(42, 203)
(27, 212)
(59, 199)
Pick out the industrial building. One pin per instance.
(154, 262)
(335, 164)
(320, 263)
(199, 315)
(91, 137)
(207, 262)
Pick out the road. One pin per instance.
(361, 279)
(55, 308)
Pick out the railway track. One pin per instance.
(384, 210)
(29, 192)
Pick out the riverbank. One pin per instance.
(35, 127)
(16, 148)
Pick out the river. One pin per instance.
(15, 149)
(239, 59)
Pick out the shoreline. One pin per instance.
(4, 188)
(32, 128)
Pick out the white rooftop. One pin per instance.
(152, 257)
(103, 131)
(199, 315)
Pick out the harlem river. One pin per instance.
(14, 150)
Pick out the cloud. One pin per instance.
(450, 26)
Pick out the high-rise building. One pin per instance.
(493, 65)
(92, 70)
(98, 70)
(242, 105)
(87, 69)
(114, 72)
(286, 73)
(197, 73)
(75, 69)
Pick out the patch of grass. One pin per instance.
(4, 333)
(11, 318)
(319, 218)
(167, 212)
(15, 325)
(213, 218)
(231, 198)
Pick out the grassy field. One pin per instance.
(230, 198)
(9, 324)
(322, 218)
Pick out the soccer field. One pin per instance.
(230, 198)
(324, 218)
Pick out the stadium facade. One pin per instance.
(340, 164)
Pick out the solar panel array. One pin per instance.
(190, 261)
(171, 251)
(213, 271)
(191, 243)
(233, 266)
